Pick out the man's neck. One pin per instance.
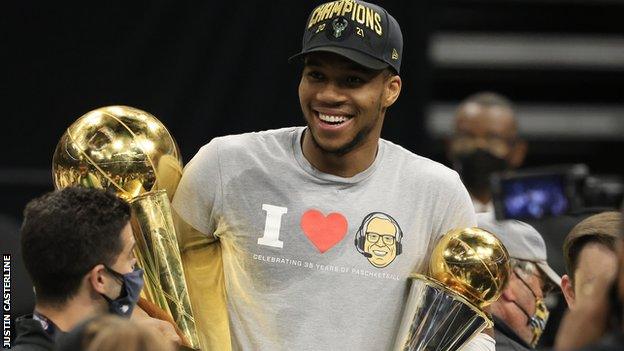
(346, 165)
(67, 316)
(483, 197)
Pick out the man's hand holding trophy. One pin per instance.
(130, 152)
(468, 269)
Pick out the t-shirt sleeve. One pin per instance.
(460, 211)
(481, 342)
(457, 211)
(198, 198)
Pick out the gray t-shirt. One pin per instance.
(313, 261)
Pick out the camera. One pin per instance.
(552, 191)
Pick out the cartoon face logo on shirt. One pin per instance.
(379, 239)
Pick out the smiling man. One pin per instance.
(284, 206)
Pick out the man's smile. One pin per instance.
(332, 120)
(380, 253)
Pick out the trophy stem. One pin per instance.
(436, 318)
(158, 254)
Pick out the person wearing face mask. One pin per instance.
(77, 246)
(520, 314)
(485, 141)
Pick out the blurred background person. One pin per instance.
(589, 253)
(111, 333)
(485, 140)
(595, 324)
(520, 314)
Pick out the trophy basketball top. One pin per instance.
(472, 262)
(120, 148)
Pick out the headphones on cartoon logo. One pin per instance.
(360, 237)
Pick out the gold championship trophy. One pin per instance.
(468, 269)
(131, 152)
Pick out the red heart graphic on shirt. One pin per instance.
(324, 232)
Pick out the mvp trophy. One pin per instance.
(468, 269)
(130, 152)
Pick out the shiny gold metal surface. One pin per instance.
(468, 269)
(159, 255)
(437, 318)
(119, 148)
(130, 152)
(472, 262)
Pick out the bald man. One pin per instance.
(485, 140)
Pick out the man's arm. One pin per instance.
(460, 214)
(203, 268)
(196, 206)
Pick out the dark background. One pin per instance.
(213, 68)
(208, 68)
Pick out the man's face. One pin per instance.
(596, 263)
(126, 260)
(343, 103)
(492, 128)
(380, 242)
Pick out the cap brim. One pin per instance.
(353, 55)
(554, 277)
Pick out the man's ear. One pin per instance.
(96, 278)
(568, 290)
(392, 90)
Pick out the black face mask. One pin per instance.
(476, 167)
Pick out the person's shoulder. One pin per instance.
(30, 335)
(253, 141)
(417, 166)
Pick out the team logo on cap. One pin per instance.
(339, 25)
(395, 54)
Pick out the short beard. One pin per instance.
(356, 141)
(345, 149)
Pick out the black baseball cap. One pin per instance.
(362, 32)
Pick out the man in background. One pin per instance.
(485, 140)
(593, 287)
(520, 314)
(589, 253)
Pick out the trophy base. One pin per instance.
(436, 318)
